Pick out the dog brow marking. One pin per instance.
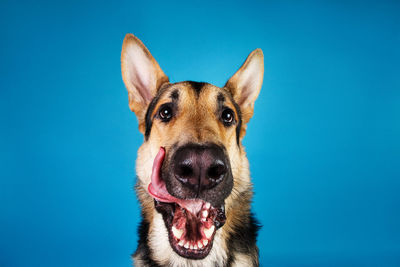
(221, 100)
(221, 97)
(175, 95)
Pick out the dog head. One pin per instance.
(191, 166)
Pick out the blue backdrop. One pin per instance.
(324, 144)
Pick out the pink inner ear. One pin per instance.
(246, 91)
(142, 86)
(249, 82)
(141, 73)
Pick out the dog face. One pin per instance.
(191, 166)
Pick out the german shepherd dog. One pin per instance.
(193, 174)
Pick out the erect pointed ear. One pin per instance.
(245, 84)
(142, 76)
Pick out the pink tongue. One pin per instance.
(157, 186)
(158, 190)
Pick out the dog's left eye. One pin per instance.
(165, 113)
(227, 116)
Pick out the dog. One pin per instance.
(193, 180)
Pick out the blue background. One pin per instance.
(324, 144)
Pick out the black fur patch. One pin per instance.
(243, 240)
(197, 86)
(143, 249)
(148, 119)
(221, 98)
(239, 125)
(175, 95)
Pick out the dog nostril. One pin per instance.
(216, 171)
(185, 170)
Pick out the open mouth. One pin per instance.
(191, 223)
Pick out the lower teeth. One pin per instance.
(207, 232)
(200, 244)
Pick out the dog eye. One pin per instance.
(165, 113)
(227, 116)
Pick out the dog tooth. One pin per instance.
(199, 244)
(181, 243)
(191, 246)
(177, 232)
(205, 242)
(209, 231)
(208, 205)
(203, 219)
(205, 213)
(195, 246)
(186, 245)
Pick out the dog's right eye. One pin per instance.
(165, 113)
(227, 116)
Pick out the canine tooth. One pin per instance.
(191, 246)
(205, 213)
(209, 231)
(199, 244)
(181, 243)
(205, 242)
(177, 232)
(186, 245)
(208, 205)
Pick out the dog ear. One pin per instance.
(245, 84)
(142, 76)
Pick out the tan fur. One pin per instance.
(196, 121)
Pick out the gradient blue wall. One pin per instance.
(324, 144)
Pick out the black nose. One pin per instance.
(200, 167)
